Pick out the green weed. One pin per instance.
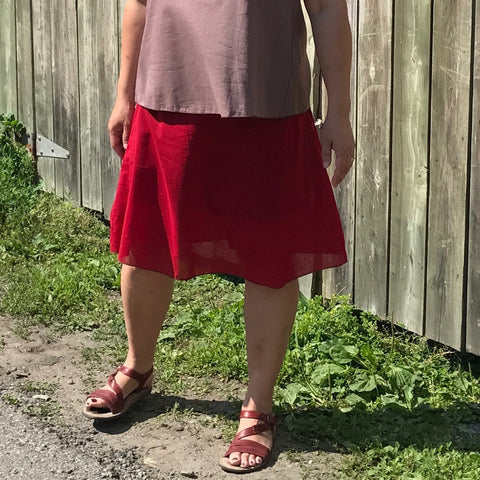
(44, 388)
(10, 399)
(18, 176)
(396, 463)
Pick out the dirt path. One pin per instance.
(168, 437)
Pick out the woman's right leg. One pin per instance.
(146, 296)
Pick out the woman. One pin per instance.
(223, 173)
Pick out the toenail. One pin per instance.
(243, 464)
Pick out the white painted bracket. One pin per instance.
(44, 147)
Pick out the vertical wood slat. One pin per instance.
(306, 281)
(91, 18)
(109, 70)
(409, 162)
(66, 98)
(8, 64)
(25, 92)
(339, 281)
(373, 154)
(42, 51)
(473, 299)
(448, 172)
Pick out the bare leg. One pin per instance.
(269, 317)
(146, 297)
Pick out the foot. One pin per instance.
(127, 385)
(246, 460)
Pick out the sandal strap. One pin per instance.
(248, 446)
(264, 417)
(253, 430)
(141, 378)
(113, 401)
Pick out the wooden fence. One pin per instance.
(411, 205)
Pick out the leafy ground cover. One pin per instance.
(399, 406)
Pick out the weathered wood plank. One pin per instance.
(306, 281)
(108, 85)
(409, 162)
(448, 170)
(373, 154)
(25, 97)
(91, 19)
(66, 98)
(339, 280)
(315, 69)
(473, 299)
(42, 48)
(8, 63)
(120, 10)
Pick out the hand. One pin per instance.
(336, 134)
(119, 125)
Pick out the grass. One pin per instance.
(398, 406)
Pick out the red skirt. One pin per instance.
(243, 196)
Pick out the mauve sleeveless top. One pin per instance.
(236, 58)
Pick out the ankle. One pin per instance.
(139, 365)
(260, 405)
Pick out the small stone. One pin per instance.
(41, 397)
(189, 474)
(70, 381)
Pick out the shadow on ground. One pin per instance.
(329, 429)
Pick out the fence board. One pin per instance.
(111, 163)
(42, 48)
(66, 98)
(24, 77)
(473, 299)
(448, 172)
(306, 282)
(373, 154)
(109, 70)
(410, 161)
(340, 280)
(8, 64)
(91, 20)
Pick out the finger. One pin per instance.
(126, 134)
(342, 167)
(326, 152)
(116, 143)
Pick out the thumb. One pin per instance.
(326, 154)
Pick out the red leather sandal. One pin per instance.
(239, 444)
(117, 405)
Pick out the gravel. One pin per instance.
(31, 449)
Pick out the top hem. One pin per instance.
(202, 110)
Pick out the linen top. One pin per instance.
(235, 58)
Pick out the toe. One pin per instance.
(95, 403)
(252, 460)
(234, 459)
(244, 460)
(258, 460)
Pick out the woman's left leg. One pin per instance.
(269, 317)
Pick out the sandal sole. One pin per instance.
(227, 467)
(133, 398)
